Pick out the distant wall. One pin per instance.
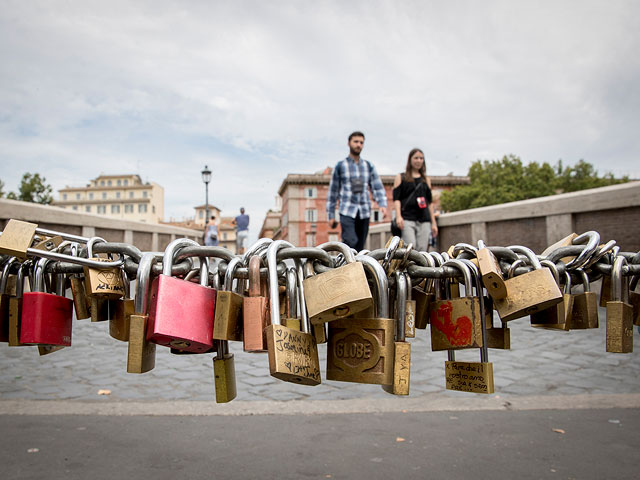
(145, 236)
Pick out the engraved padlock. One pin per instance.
(181, 312)
(228, 320)
(402, 349)
(619, 312)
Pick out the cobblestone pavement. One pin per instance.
(540, 362)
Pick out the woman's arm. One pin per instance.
(397, 205)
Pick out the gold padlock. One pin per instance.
(361, 350)
(141, 356)
(402, 349)
(228, 320)
(224, 372)
(619, 313)
(491, 272)
(16, 238)
(340, 292)
(120, 320)
(293, 354)
(557, 317)
(585, 306)
(105, 283)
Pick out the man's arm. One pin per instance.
(378, 191)
(332, 197)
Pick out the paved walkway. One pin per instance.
(540, 363)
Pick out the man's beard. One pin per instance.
(354, 153)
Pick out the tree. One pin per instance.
(33, 189)
(1, 189)
(508, 180)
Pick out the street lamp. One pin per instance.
(206, 178)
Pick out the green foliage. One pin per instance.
(508, 180)
(33, 189)
(1, 189)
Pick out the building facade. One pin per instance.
(303, 218)
(123, 197)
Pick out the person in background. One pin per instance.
(412, 201)
(242, 231)
(211, 232)
(350, 183)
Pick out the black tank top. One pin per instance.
(409, 200)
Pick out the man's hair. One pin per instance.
(241, 209)
(213, 217)
(356, 134)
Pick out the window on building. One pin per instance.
(201, 215)
(87, 209)
(126, 182)
(115, 208)
(90, 195)
(77, 196)
(311, 239)
(119, 182)
(102, 183)
(310, 192)
(117, 194)
(142, 208)
(224, 236)
(104, 195)
(130, 194)
(75, 207)
(102, 209)
(145, 194)
(109, 182)
(311, 215)
(376, 216)
(128, 208)
(64, 196)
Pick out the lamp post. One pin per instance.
(206, 178)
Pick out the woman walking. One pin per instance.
(211, 233)
(412, 201)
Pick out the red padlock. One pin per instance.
(46, 318)
(181, 312)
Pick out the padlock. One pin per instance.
(530, 292)
(103, 283)
(290, 320)
(423, 298)
(48, 243)
(141, 356)
(456, 322)
(320, 330)
(180, 312)
(5, 294)
(61, 291)
(81, 302)
(585, 306)
(16, 238)
(46, 318)
(119, 322)
(361, 350)
(619, 312)
(228, 320)
(255, 310)
(293, 354)
(224, 372)
(557, 317)
(491, 272)
(340, 292)
(402, 349)
(15, 305)
(410, 311)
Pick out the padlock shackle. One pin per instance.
(305, 322)
(65, 236)
(381, 282)
(202, 252)
(292, 291)
(617, 293)
(170, 251)
(394, 243)
(38, 275)
(21, 277)
(141, 302)
(464, 247)
(256, 249)
(233, 264)
(527, 252)
(466, 274)
(272, 265)
(554, 269)
(401, 305)
(5, 274)
(592, 239)
(92, 241)
(254, 276)
(204, 272)
(343, 248)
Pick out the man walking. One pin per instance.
(350, 183)
(242, 231)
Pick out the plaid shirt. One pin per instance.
(340, 189)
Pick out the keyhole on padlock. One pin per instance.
(180, 344)
(341, 311)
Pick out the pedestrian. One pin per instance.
(242, 231)
(211, 232)
(350, 183)
(412, 202)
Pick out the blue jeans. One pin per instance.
(354, 230)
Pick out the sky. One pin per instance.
(256, 90)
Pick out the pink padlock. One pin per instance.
(46, 318)
(181, 312)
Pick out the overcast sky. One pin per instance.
(258, 89)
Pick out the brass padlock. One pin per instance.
(410, 311)
(402, 349)
(491, 272)
(619, 312)
(293, 354)
(585, 306)
(228, 320)
(141, 356)
(48, 244)
(340, 292)
(456, 322)
(530, 292)
(557, 317)
(5, 294)
(16, 238)
(361, 350)
(290, 318)
(224, 372)
(119, 322)
(255, 310)
(104, 283)
(81, 302)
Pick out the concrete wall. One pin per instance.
(145, 236)
(612, 211)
